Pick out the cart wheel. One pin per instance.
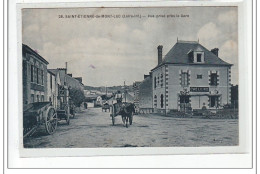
(50, 120)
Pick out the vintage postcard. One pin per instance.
(130, 77)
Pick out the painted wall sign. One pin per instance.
(199, 89)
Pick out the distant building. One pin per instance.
(146, 95)
(74, 82)
(91, 100)
(136, 95)
(190, 77)
(126, 97)
(34, 76)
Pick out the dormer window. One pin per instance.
(196, 56)
(199, 57)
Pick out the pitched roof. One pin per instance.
(54, 71)
(26, 48)
(179, 54)
(51, 72)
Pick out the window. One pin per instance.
(199, 76)
(154, 82)
(32, 98)
(37, 75)
(38, 98)
(42, 98)
(199, 57)
(184, 79)
(31, 73)
(42, 76)
(213, 79)
(155, 101)
(161, 100)
(161, 80)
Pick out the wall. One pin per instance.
(52, 91)
(174, 84)
(160, 88)
(33, 87)
(146, 93)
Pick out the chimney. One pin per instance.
(145, 76)
(215, 51)
(69, 75)
(160, 47)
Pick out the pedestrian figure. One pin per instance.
(85, 105)
(203, 107)
(119, 97)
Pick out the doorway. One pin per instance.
(185, 103)
(213, 101)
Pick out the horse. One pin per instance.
(127, 111)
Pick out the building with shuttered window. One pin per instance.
(190, 77)
(34, 76)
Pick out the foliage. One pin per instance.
(77, 96)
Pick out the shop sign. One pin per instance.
(199, 89)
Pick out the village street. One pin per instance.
(93, 128)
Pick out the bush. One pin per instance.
(77, 96)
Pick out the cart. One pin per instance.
(63, 113)
(36, 115)
(126, 110)
(72, 108)
(63, 108)
(106, 107)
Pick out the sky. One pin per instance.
(109, 51)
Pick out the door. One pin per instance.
(184, 103)
(213, 101)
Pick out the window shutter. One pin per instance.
(217, 78)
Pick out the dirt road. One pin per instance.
(93, 128)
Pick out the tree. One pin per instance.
(77, 96)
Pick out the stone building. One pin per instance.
(190, 77)
(63, 83)
(146, 95)
(34, 76)
(53, 79)
(136, 95)
(74, 82)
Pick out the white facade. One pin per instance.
(166, 94)
(53, 82)
(190, 77)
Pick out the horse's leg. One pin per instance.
(123, 119)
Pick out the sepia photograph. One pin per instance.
(130, 77)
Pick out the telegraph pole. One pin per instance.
(125, 91)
